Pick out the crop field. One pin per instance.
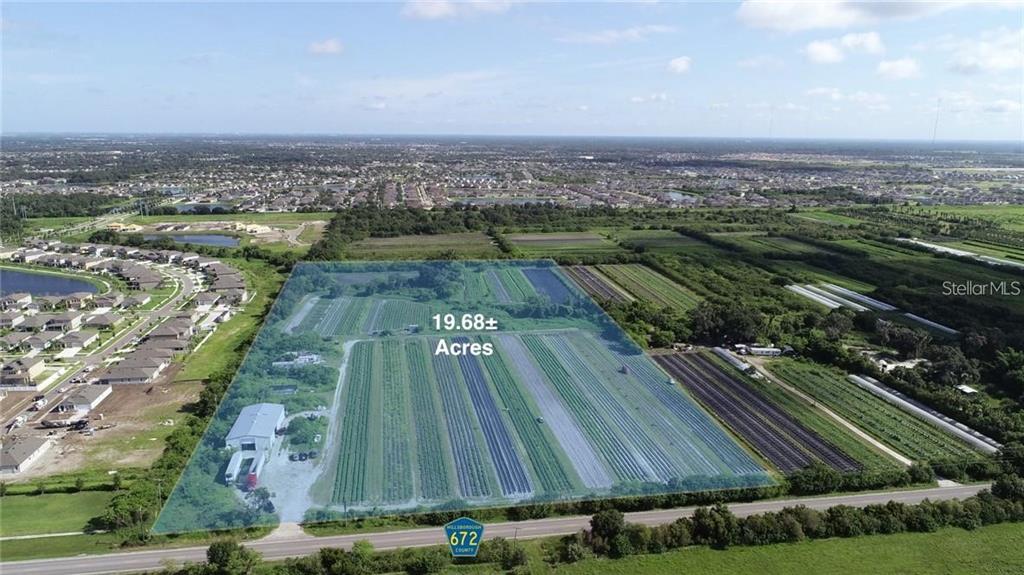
(471, 245)
(988, 248)
(562, 243)
(597, 285)
(779, 437)
(657, 241)
(556, 403)
(913, 437)
(647, 284)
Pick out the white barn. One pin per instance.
(255, 427)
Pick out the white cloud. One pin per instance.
(328, 46)
(997, 50)
(900, 69)
(796, 16)
(440, 9)
(680, 65)
(873, 101)
(616, 36)
(869, 42)
(824, 52)
(1002, 107)
(830, 93)
(835, 50)
(583, 108)
(653, 97)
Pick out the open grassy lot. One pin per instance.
(1010, 217)
(50, 513)
(989, 550)
(218, 351)
(469, 245)
(34, 225)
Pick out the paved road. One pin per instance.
(292, 543)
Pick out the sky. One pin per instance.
(922, 70)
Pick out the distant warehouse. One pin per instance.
(251, 438)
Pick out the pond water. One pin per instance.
(215, 240)
(17, 281)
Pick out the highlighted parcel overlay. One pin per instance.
(381, 388)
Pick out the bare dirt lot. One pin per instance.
(143, 416)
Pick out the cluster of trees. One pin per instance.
(15, 208)
(230, 558)
(360, 222)
(610, 535)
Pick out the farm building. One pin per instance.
(19, 453)
(251, 438)
(255, 427)
(765, 351)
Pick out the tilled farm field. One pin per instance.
(449, 385)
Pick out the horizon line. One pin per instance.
(509, 136)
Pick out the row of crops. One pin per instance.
(779, 437)
(647, 284)
(909, 435)
(597, 285)
(551, 415)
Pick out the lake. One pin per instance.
(17, 281)
(216, 240)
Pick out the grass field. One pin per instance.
(469, 245)
(219, 351)
(1010, 217)
(987, 551)
(34, 225)
(50, 513)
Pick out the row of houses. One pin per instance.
(151, 357)
(122, 261)
(42, 341)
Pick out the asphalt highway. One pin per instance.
(294, 543)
